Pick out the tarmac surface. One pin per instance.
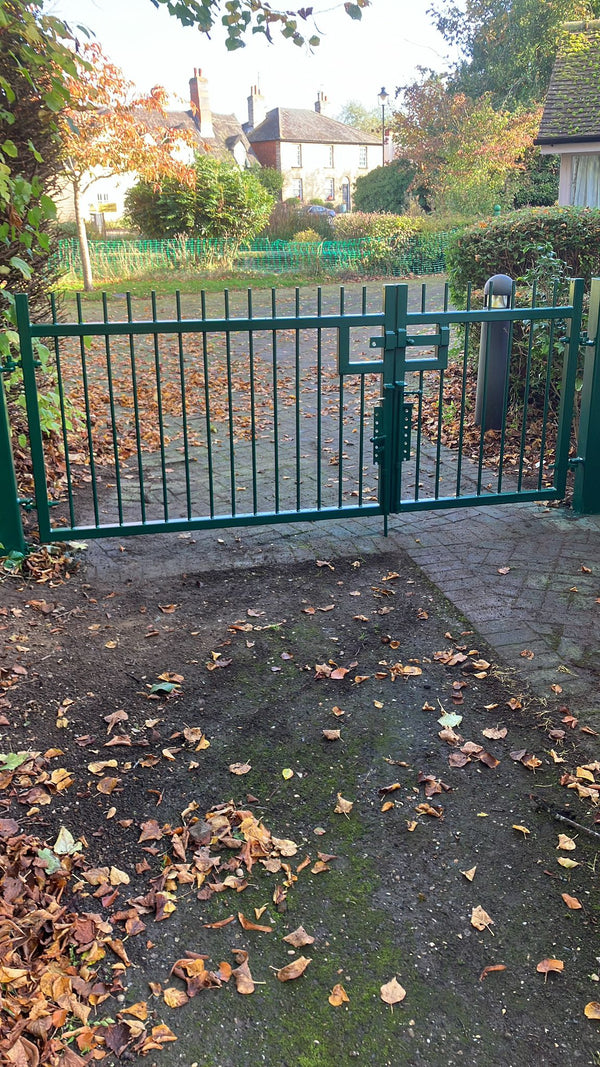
(525, 576)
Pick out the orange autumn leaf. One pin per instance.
(175, 998)
(243, 979)
(247, 924)
(592, 1010)
(548, 966)
(572, 902)
(294, 969)
(298, 938)
(490, 969)
(338, 996)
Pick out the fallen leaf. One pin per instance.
(175, 998)
(572, 903)
(298, 938)
(522, 829)
(547, 966)
(338, 996)
(490, 969)
(244, 981)
(495, 733)
(239, 768)
(565, 861)
(567, 843)
(503, 570)
(332, 735)
(480, 919)
(592, 1010)
(392, 992)
(293, 969)
(470, 874)
(247, 924)
(337, 711)
(287, 773)
(343, 807)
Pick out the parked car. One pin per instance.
(320, 209)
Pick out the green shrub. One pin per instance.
(308, 236)
(362, 224)
(510, 245)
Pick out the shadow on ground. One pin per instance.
(394, 901)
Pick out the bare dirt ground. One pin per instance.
(266, 745)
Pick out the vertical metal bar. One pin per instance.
(506, 391)
(275, 402)
(12, 538)
(136, 411)
(88, 414)
(361, 432)
(419, 435)
(463, 399)
(523, 437)
(484, 401)
(63, 414)
(211, 485)
(113, 417)
(252, 406)
(319, 398)
(33, 418)
(161, 428)
(567, 392)
(297, 392)
(438, 449)
(186, 444)
(586, 493)
(230, 407)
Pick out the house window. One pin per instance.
(102, 198)
(330, 162)
(297, 187)
(298, 156)
(585, 181)
(329, 189)
(362, 156)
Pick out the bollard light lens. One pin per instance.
(499, 301)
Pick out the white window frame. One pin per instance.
(363, 157)
(331, 162)
(298, 162)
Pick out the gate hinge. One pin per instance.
(574, 461)
(9, 366)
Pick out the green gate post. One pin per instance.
(586, 492)
(12, 538)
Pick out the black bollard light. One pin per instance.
(493, 356)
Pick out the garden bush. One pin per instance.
(510, 245)
(364, 224)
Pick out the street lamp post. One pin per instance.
(383, 97)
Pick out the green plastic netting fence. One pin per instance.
(399, 256)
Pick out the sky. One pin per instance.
(353, 62)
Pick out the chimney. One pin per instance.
(321, 103)
(256, 108)
(201, 104)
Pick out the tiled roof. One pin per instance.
(303, 126)
(572, 107)
(227, 129)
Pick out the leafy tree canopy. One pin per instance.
(385, 188)
(508, 46)
(256, 16)
(354, 114)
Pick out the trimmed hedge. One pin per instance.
(359, 224)
(510, 245)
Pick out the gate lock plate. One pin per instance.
(400, 339)
(407, 413)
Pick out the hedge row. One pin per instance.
(514, 242)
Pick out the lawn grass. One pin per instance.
(168, 282)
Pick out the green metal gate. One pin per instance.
(300, 407)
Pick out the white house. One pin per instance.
(570, 126)
(319, 157)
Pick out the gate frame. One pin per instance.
(391, 426)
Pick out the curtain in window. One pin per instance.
(585, 181)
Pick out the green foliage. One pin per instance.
(224, 202)
(510, 245)
(240, 17)
(288, 219)
(270, 178)
(537, 184)
(385, 188)
(508, 46)
(362, 224)
(355, 114)
(308, 236)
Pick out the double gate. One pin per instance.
(275, 407)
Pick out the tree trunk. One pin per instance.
(84, 249)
